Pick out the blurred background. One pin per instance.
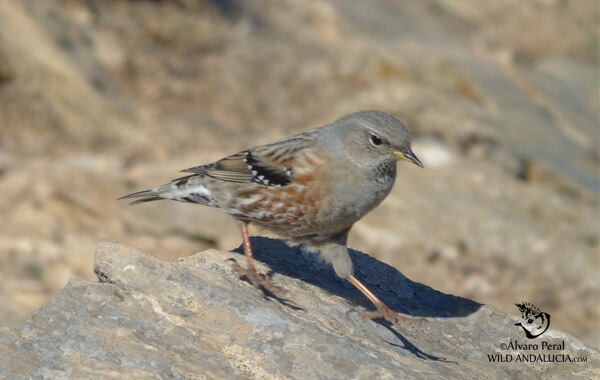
(102, 98)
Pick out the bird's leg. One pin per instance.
(255, 278)
(383, 310)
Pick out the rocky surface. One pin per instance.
(194, 318)
(99, 99)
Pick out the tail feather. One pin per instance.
(146, 196)
(144, 200)
(187, 189)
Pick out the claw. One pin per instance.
(383, 311)
(258, 280)
(393, 317)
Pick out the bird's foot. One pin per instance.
(258, 280)
(392, 316)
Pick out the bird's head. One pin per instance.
(370, 138)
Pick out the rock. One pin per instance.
(193, 318)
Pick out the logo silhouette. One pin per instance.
(534, 322)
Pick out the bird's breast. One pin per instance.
(318, 201)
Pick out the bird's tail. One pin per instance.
(145, 196)
(187, 189)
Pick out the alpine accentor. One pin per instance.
(310, 188)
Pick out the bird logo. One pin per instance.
(534, 322)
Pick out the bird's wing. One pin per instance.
(271, 165)
(231, 168)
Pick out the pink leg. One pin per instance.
(383, 310)
(255, 278)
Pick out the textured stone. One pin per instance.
(194, 318)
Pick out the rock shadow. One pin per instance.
(397, 291)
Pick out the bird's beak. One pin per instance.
(408, 155)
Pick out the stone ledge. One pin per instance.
(193, 318)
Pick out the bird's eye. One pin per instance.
(376, 140)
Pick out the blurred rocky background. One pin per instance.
(102, 98)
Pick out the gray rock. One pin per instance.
(194, 319)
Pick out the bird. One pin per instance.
(309, 189)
